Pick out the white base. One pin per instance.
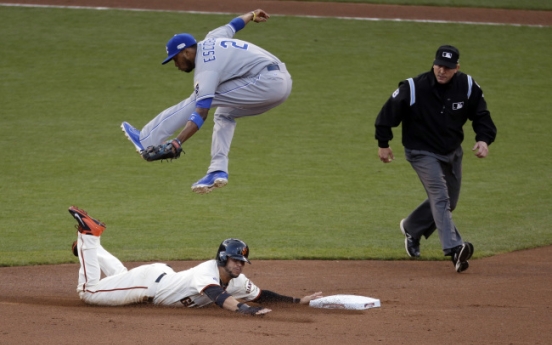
(351, 302)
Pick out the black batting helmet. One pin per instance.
(233, 248)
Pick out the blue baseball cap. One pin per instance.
(178, 43)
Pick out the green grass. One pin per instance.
(506, 4)
(305, 181)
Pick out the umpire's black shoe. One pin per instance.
(411, 244)
(461, 255)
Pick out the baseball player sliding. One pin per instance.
(220, 280)
(237, 77)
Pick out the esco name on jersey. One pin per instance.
(209, 50)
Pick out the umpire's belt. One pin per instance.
(273, 67)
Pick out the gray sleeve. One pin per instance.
(225, 31)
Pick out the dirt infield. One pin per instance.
(543, 18)
(506, 299)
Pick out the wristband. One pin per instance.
(242, 307)
(178, 141)
(253, 19)
(296, 300)
(247, 310)
(197, 119)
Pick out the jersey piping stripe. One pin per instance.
(412, 91)
(240, 87)
(470, 83)
(84, 269)
(91, 291)
(119, 289)
(168, 117)
(231, 27)
(205, 97)
(171, 115)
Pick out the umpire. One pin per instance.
(433, 107)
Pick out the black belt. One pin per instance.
(148, 299)
(273, 67)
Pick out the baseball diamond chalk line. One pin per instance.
(300, 16)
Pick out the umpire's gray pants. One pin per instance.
(441, 176)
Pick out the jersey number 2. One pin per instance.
(224, 44)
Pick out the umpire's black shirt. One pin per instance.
(433, 115)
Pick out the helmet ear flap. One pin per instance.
(222, 258)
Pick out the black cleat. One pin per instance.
(87, 225)
(411, 244)
(461, 255)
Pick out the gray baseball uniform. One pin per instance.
(241, 78)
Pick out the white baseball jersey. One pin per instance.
(185, 288)
(153, 282)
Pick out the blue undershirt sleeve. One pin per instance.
(237, 23)
(204, 103)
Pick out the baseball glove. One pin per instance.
(168, 150)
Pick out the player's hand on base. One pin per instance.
(307, 299)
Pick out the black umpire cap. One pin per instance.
(447, 56)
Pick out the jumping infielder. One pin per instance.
(220, 280)
(238, 77)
